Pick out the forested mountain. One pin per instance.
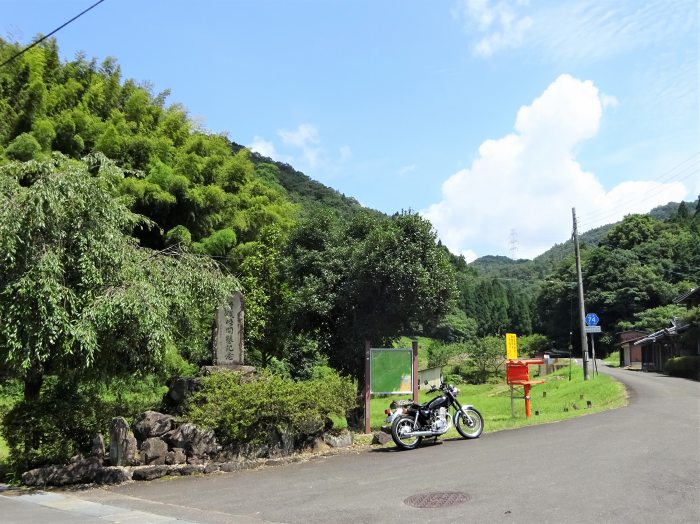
(641, 265)
(634, 266)
(541, 265)
(300, 188)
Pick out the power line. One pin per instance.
(681, 171)
(19, 53)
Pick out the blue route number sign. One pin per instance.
(592, 319)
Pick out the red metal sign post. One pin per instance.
(517, 374)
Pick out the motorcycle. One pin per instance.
(411, 423)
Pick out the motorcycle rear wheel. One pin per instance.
(466, 428)
(400, 426)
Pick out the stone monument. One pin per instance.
(228, 350)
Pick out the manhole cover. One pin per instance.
(437, 499)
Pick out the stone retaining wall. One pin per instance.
(155, 446)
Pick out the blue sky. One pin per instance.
(491, 118)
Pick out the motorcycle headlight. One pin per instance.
(456, 391)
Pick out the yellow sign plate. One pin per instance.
(511, 346)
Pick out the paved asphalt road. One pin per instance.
(636, 464)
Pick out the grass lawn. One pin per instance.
(564, 399)
(613, 359)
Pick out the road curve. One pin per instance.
(636, 464)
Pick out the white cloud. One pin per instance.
(407, 169)
(574, 30)
(609, 101)
(530, 179)
(304, 136)
(500, 23)
(590, 31)
(345, 153)
(263, 147)
(469, 255)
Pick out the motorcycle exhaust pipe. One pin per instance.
(420, 434)
(424, 433)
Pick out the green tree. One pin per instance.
(371, 279)
(24, 147)
(530, 345)
(440, 354)
(455, 326)
(633, 231)
(487, 355)
(76, 292)
(267, 297)
(653, 319)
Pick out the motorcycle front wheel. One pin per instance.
(469, 422)
(399, 428)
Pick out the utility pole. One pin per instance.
(581, 305)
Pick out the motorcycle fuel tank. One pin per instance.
(438, 402)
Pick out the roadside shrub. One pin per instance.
(453, 378)
(128, 396)
(687, 367)
(68, 415)
(249, 412)
(338, 422)
(60, 424)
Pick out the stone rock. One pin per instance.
(154, 451)
(152, 424)
(190, 469)
(151, 472)
(123, 448)
(112, 475)
(176, 456)
(39, 476)
(381, 438)
(178, 389)
(242, 451)
(319, 445)
(343, 440)
(212, 468)
(228, 467)
(98, 447)
(195, 441)
(81, 471)
(281, 440)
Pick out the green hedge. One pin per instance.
(61, 423)
(249, 412)
(67, 416)
(688, 367)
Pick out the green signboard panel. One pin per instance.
(391, 371)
